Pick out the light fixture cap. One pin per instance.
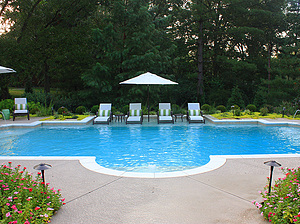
(42, 166)
(272, 163)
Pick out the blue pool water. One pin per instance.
(167, 147)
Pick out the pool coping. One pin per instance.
(89, 162)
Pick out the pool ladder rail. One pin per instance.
(3, 116)
(296, 113)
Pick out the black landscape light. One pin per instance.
(283, 109)
(42, 167)
(272, 164)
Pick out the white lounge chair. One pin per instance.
(135, 114)
(164, 113)
(21, 108)
(104, 115)
(194, 114)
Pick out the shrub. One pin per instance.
(236, 97)
(237, 112)
(206, 107)
(7, 104)
(251, 107)
(34, 108)
(95, 109)
(248, 112)
(25, 199)
(235, 107)
(125, 109)
(221, 108)
(283, 202)
(264, 111)
(80, 110)
(62, 110)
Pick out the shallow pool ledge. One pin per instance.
(275, 122)
(89, 162)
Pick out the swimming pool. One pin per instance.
(143, 148)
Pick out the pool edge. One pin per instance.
(89, 162)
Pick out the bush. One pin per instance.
(125, 109)
(176, 109)
(221, 108)
(34, 108)
(283, 203)
(237, 112)
(251, 107)
(7, 104)
(264, 111)
(206, 107)
(25, 199)
(95, 109)
(80, 110)
(62, 110)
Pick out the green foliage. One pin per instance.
(95, 109)
(62, 110)
(282, 204)
(39, 96)
(206, 107)
(237, 112)
(221, 108)
(125, 109)
(264, 111)
(7, 104)
(236, 98)
(251, 107)
(80, 110)
(34, 108)
(177, 109)
(25, 199)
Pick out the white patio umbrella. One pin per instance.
(6, 70)
(148, 79)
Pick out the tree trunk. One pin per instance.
(46, 78)
(200, 62)
(269, 46)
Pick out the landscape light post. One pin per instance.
(42, 167)
(283, 109)
(272, 164)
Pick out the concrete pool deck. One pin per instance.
(223, 195)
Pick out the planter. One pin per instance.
(5, 114)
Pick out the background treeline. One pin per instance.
(217, 51)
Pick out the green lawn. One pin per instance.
(18, 92)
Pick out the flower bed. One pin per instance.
(24, 199)
(282, 205)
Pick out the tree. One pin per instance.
(47, 41)
(128, 42)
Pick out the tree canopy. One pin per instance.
(85, 48)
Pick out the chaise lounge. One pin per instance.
(164, 113)
(135, 114)
(20, 108)
(194, 114)
(104, 115)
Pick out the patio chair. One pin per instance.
(20, 108)
(104, 115)
(164, 113)
(135, 114)
(194, 114)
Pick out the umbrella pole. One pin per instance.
(148, 102)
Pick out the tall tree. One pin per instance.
(128, 43)
(50, 37)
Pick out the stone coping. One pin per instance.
(89, 162)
